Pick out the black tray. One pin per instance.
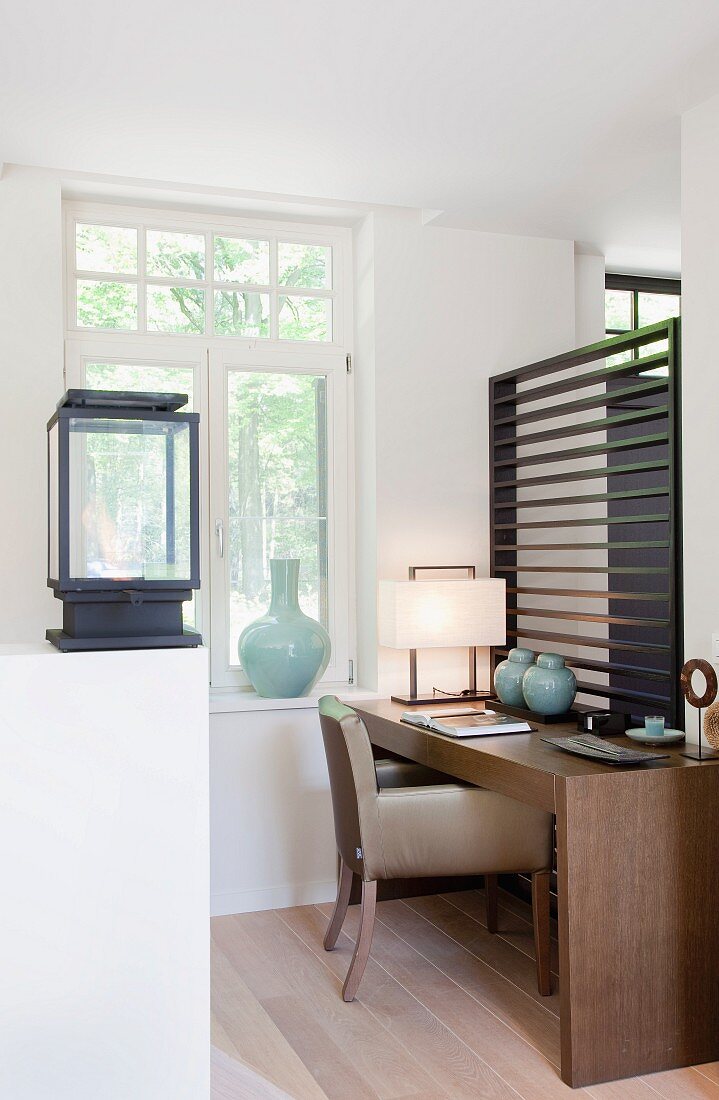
(595, 752)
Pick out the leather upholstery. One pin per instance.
(422, 830)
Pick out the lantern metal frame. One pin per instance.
(121, 613)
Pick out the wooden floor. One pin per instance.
(444, 1010)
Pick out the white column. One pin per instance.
(104, 931)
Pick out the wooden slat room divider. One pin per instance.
(593, 451)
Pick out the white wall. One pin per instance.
(31, 361)
(272, 833)
(104, 932)
(452, 307)
(700, 379)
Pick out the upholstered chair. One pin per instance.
(395, 819)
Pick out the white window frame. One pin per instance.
(210, 358)
(338, 239)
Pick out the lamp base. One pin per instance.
(706, 755)
(440, 700)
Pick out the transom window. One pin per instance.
(249, 319)
(145, 277)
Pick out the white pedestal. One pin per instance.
(104, 872)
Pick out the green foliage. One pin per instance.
(277, 487)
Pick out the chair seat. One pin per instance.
(405, 773)
(451, 829)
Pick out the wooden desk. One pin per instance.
(638, 888)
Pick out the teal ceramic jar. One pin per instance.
(508, 676)
(549, 687)
(285, 651)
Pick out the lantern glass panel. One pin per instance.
(53, 463)
(129, 499)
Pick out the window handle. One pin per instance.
(220, 532)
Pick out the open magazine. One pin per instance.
(480, 724)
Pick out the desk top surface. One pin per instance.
(524, 749)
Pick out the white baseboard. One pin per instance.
(271, 897)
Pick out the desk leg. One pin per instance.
(638, 886)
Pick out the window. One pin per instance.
(138, 276)
(250, 320)
(635, 301)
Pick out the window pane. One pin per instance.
(307, 265)
(305, 318)
(656, 307)
(106, 248)
(106, 305)
(242, 261)
(149, 377)
(175, 309)
(176, 254)
(242, 313)
(618, 309)
(277, 461)
(123, 523)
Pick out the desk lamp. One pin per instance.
(434, 614)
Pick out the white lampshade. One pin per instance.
(435, 614)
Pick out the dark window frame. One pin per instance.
(639, 284)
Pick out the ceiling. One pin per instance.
(555, 118)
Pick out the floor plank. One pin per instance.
(242, 1029)
(529, 1073)
(512, 928)
(234, 1080)
(451, 1063)
(491, 949)
(444, 1010)
(685, 1083)
(328, 1034)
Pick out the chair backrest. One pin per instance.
(353, 783)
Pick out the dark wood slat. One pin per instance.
(635, 443)
(592, 643)
(615, 667)
(654, 545)
(598, 521)
(631, 369)
(588, 427)
(585, 475)
(586, 498)
(633, 570)
(609, 399)
(581, 617)
(603, 691)
(603, 349)
(592, 594)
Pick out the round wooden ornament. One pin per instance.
(710, 676)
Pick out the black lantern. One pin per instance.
(123, 512)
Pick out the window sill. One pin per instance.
(230, 700)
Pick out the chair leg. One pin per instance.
(491, 886)
(364, 941)
(542, 930)
(344, 887)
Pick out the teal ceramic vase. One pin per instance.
(508, 677)
(285, 651)
(549, 687)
